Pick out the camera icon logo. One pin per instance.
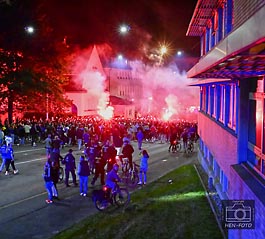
(238, 213)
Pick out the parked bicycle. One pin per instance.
(105, 197)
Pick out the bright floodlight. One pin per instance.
(120, 57)
(179, 53)
(29, 29)
(163, 50)
(124, 29)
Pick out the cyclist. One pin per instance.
(113, 177)
(127, 152)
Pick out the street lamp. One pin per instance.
(29, 29)
(124, 29)
(162, 51)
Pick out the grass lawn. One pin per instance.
(159, 210)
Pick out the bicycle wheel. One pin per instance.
(133, 179)
(191, 147)
(101, 205)
(122, 197)
(125, 167)
(61, 174)
(178, 147)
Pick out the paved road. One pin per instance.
(23, 211)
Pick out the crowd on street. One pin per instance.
(100, 141)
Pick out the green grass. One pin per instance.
(159, 210)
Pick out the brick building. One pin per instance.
(231, 126)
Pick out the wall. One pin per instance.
(221, 143)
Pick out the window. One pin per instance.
(220, 29)
(203, 98)
(222, 104)
(232, 106)
(256, 130)
(228, 16)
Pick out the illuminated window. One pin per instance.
(232, 107)
(203, 98)
(222, 104)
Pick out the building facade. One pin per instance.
(104, 84)
(231, 123)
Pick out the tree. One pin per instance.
(31, 66)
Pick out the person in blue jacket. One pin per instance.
(70, 166)
(48, 180)
(143, 167)
(113, 177)
(8, 154)
(140, 137)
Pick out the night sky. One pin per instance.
(152, 23)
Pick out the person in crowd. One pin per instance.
(86, 137)
(8, 154)
(48, 180)
(117, 140)
(56, 144)
(83, 172)
(127, 152)
(140, 137)
(2, 136)
(94, 153)
(21, 134)
(48, 145)
(185, 137)
(71, 136)
(109, 154)
(70, 167)
(113, 177)
(99, 170)
(34, 134)
(27, 128)
(3, 155)
(55, 158)
(79, 137)
(172, 140)
(143, 167)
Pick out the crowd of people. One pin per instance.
(101, 141)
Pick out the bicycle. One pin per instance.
(190, 147)
(131, 177)
(105, 197)
(125, 166)
(176, 146)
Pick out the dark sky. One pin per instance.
(152, 22)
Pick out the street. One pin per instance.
(23, 211)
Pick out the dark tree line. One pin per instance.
(32, 65)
